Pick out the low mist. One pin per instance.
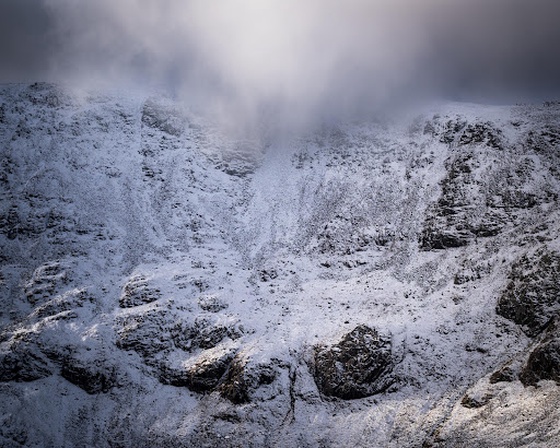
(293, 62)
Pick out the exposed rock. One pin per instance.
(19, 363)
(201, 375)
(212, 304)
(245, 377)
(93, 377)
(146, 333)
(205, 333)
(506, 374)
(164, 117)
(68, 301)
(545, 140)
(45, 281)
(475, 402)
(544, 361)
(356, 367)
(458, 131)
(138, 292)
(532, 296)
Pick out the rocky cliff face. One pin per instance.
(373, 284)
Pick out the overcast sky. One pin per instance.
(301, 56)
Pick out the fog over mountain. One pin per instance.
(294, 59)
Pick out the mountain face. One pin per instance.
(369, 285)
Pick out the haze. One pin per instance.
(295, 59)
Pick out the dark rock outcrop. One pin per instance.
(245, 377)
(356, 367)
(138, 292)
(23, 364)
(544, 361)
(202, 375)
(532, 296)
(92, 377)
(145, 333)
(505, 374)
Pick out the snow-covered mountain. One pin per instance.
(380, 284)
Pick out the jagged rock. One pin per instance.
(146, 333)
(460, 132)
(447, 225)
(45, 281)
(544, 361)
(201, 375)
(92, 377)
(356, 367)
(212, 304)
(506, 374)
(68, 301)
(437, 239)
(22, 364)
(164, 117)
(482, 133)
(545, 140)
(205, 333)
(137, 292)
(245, 377)
(532, 296)
(474, 402)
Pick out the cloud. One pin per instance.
(293, 59)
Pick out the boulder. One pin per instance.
(356, 367)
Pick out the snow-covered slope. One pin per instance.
(390, 284)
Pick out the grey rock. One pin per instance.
(356, 367)
(544, 360)
(138, 292)
(23, 363)
(164, 117)
(244, 377)
(146, 333)
(93, 377)
(532, 296)
(201, 375)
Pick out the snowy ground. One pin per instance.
(138, 240)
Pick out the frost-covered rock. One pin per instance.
(137, 292)
(143, 248)
(147, 333)
(163, 116)
(22, 362)
(245, 376)
(532, 295)
(93, 376)
(45, 281)
(202, 373)
(358, 366)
